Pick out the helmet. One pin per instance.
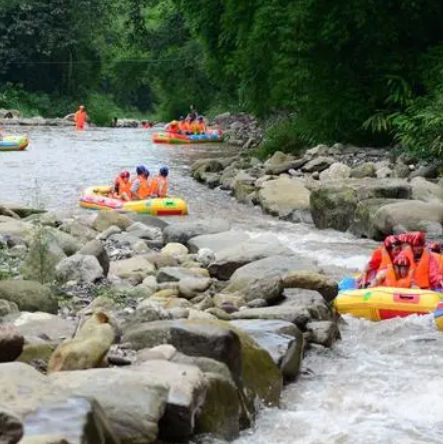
(174, 122)
(417, 239)
(182, 118)
(124, 174)
(200, 117)
(164, 171)
(141, 169)
(435, 247)
(82, 106)
(403, 238)
(402, 259)
(391, 241)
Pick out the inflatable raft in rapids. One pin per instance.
(96, 198)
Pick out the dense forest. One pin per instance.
(360, 71)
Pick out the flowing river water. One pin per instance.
(380, 384)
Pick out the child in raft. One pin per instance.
(122, 186)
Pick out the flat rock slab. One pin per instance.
(182, 232)
(217, 242)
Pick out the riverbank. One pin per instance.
(200, 324)
(369, 192)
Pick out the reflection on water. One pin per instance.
(380, 384)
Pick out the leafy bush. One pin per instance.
(287, 136)
(101, 109)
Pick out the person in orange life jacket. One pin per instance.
(399, 274)
(201, 127)
(160, 183)
(173, 127)
(142, 186)
(80, 118)
(182, 127)
(425, 264)
(122, 186)
(381, 258)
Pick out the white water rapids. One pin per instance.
(382, 383)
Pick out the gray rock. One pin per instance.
(281, 339)
(139, 229)
(79, 268)
(323, 332)
(296, 315)
(205, 257)
(190, 287)
(218, 241)
(182, 232)
(318, 164)
(78, 230)
(366, 169)
(106, 219)
(175, 274)
(337, 171)
(29, 295)
(11, 427)
(11, 343)
(228, 260)
(113, 229)
(7, 308)
(428, 172)
(137, 268)
(95, 248)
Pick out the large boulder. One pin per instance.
(362, 224)
(334, 203)
(281, 339)
(230, 259)
(143, 401)
(326, 286)
(243, 186)
(182, 232)
(79, 268)
(252, 368)
(413, 215)
(45, 410)
(426, 191)
(270, 267)
(367, 169)
(106, 219)
(318, 164)
(218, 241)
(286, 198)
(29, 295)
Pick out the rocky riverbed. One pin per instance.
(369, 192)
(133, 330)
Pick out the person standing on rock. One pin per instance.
(80, 118)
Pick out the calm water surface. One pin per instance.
(381, 384)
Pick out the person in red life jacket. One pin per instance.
(80, 118)
(425, 264)
(142, 186)
(160, 183)
(381, 258)
(122, 186)
(399, 274)
(172, 127)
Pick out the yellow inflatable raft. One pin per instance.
(96, 198)
(14, 143)
(380, 303)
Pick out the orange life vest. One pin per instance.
(182, 126)
(173, 128)
(80, 119)
(201, 127)
(160, 186)
(391, 279)
(386, 260)
(145, 188)
(421, 270)
(123, 187)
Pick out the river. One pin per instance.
(380, 384)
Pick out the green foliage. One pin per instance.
(102, 109)
(287, 136)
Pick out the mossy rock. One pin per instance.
(37, 354)
(333, 207)
(219, 414)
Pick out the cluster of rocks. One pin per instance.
(367, 191)
(132, 330)
(241, 130)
